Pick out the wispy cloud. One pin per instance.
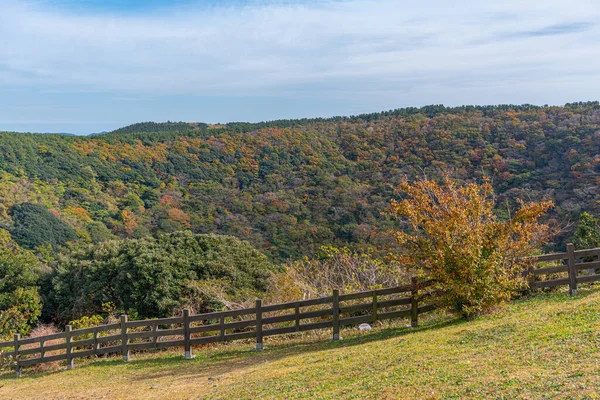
(380, 53)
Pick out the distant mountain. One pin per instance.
(98, 133)
(291, 186)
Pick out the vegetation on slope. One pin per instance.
(544, 346)
(290, 187)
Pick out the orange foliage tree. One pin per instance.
(454, 238)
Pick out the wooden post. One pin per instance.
(414, 304)
(124, 341)
(96, 345)
(297, 309)
(68, 330)
(374, 312)
(336, 315)
(572, 271)
(531, 280)
(42, 350)
(18, 368)
(155, 333)
(222, 328)
(187, 336)
(259, 334)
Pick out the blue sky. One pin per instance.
(88, 65)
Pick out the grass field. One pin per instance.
(546, 346)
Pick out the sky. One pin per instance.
(95, 65)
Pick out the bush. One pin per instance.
(453, 237)
(150, 277)
(334, 268)
(20, 302)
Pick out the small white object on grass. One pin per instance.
(364, 327)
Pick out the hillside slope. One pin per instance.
(546, 346)
(291, 186)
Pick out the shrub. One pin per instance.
(453, 237)
(334, 268)
(150, 277)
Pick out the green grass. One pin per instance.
(546, 346)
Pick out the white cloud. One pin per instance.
(332, 48)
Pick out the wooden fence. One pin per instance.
(261, 320)
(190, 329)
(573, 262)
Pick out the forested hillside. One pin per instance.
(290, 186)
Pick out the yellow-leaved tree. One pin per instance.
(453, 237)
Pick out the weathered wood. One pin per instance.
(84, 353)
(550, 270)
(572, 270)
(587, 265)
(95, 345)
(427, 308)
(171, 343)
(374, 308)
(297, 315)
(315, 325)
(393, 302)
(111, 349)
(395, 314)
(414, 304)
(552, 283)
(280, 331)
(217, 315)
(355, 320)
(259, 325)
(18, 364)
(124, 341)
(587, 253)
(222, 327)
(140, 335)
(588, 278)
(357, 307)
(301, 303)
(54, 347)
(549, 257)
(68, 330)
(111, 338)
(27, 352)
(187, 347)
(336, 315)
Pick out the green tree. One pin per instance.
(151, 277)
(587, 233)
(20, 302)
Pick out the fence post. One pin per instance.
(124, 341)
(259, 327)
(187, 336)
(414, 304)
(374, 313)
(572, 271)
(68, 330)
(18, 368)
(531, 280)
(336, 315)
(222, 328)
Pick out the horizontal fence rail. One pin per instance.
(189, 330)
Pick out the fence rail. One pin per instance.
(190, 329)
